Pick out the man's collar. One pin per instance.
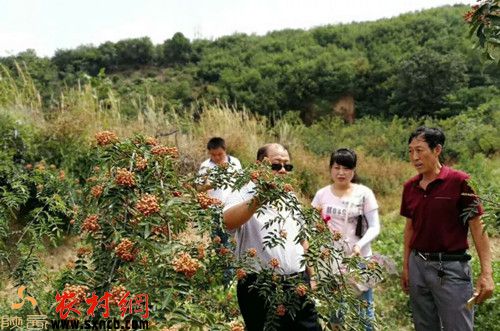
(443, 174)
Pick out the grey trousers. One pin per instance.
(440, 303)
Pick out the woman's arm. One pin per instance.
(373, 228)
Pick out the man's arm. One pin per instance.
(406, 255)
(239, 214)
(484, 284)
(309, 270)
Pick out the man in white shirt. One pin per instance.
(216, 147)
(246, 216)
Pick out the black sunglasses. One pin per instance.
(278, 166)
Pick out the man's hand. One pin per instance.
(314, 284)
(484, 287)
(484, 284)
(405, 281)
(204, 187)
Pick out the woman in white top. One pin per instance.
(341, 203)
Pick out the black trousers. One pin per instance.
(254, 310)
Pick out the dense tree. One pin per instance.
(177, 50)
(135, 52)
(108, 56)
(423, 81)
(84, 58)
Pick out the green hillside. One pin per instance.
(414, 65)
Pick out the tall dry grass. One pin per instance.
(17, 89)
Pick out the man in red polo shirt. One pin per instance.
(436, 272)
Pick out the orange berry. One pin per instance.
(281, 310)
(105, 138)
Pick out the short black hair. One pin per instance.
(432, 136)
(262, 152)
(345, 157)
(216, 142)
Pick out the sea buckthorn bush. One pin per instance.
(145, 229)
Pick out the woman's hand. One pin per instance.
(356, 250)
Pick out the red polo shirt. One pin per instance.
(437, 212)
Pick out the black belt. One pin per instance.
(444, 256)
(294, 275)
(301, 274)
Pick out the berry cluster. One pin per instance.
(164, 150)
(237, 326)
(240, 274)
(337, 235)
(124, 177)
(185, 264)
(125, 250)
(117, 293)
(92, 179)
(83, 251)
(274, 263)
(151, 141)
(105, 138)
(141, 163)
(160, 230)
(252, 252)
(144, 261)
(40, 166)
(201, 251)
(372, 265)
(281, 310)
(254, 175)
(470, 14)
(96, 191)
(78, 293)
(205, 201)
(301, 290)
(70, 264)
(325, 253)
(91, 224)
(320, 227)
(148, 204)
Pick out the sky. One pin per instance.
(48, 25)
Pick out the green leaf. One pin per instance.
(494, 41)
